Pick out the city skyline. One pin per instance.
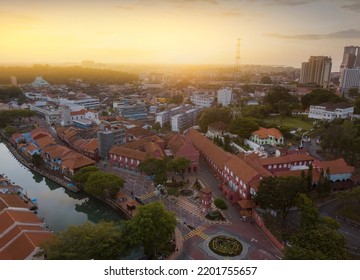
(272, 32)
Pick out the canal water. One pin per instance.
(60, 208)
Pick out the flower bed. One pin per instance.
(225, 246)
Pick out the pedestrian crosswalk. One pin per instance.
(199, 232)
(147, 195)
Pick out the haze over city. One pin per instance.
(275, 32)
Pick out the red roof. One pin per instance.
(338, 166)
(127, 152)
(207, 147)
(91, 145)
(76, 113)
(24, 245)
(74, 161)
(241, 169)
(265, 133)
(284, 159)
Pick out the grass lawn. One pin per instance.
(291, 122)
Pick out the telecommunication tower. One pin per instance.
(236, 100)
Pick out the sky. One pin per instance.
(271, 32)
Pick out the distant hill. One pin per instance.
(61, 75)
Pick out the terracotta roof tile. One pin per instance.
(241, 169)
(215, 153)
(265, 133)
(74, 161)
(45, 141)
(127, 152)
(338, 166)
(284, 159)
(25, 245)
(13, 200)
(139, 132)
(91, 145)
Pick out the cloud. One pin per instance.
(122, 7)
(19, 18)
(215, 2)
(350, 33)
(292, 2)
(353, 6)
(230, 13)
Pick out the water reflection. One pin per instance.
(60, 208)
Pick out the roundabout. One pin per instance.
(225, 246)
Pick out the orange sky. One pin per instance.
(282, 32)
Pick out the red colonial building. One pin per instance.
(181, 147)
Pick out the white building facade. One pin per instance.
(323, 112)
(224, 96)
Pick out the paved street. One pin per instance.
(351, 231)
(196, 230)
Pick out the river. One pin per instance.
(60, 208)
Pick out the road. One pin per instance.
(312, 147)
(350, 230)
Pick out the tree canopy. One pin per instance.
(10, 93)
(220, 203)
(318, 96)
(157, 168)
(244, 126)
(317, 237)
(151, 227)
(266, 80)
(342, 138)
(83, 174)
(212, 115)
(61, 75)
(180, 165)
(101, 183)
(280, 99)
(280, 193)
(8, 117)
(102, 241)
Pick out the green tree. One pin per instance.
(220, 203)
(83, 174)
(102, 241)
(317, 237)
(151, 227)
(156, 168)
(266, 80)
(9, 130)
(324, 185)
(36, 159)
(212, 115)
(102, 184)
(177, 99)
(180, 165)
(309, 215)
(353, 92)
(280, 194)
(244, 126)
(318, 96)
(357, 105)
(278, 97)
(156, 126)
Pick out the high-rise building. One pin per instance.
(351, 57)
(225, 96)
(316, 71)
(350, 69)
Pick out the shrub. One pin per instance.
(221, 204)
